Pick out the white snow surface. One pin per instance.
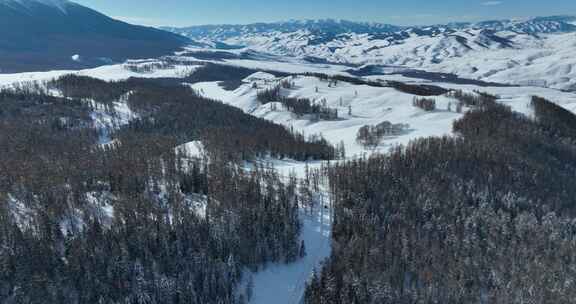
(282, 283)
(22, 215)
(105, 120)
(545, 60)
(115, 72)
(193, 149)
(370, 107)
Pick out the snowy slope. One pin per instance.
(324, 28)
(538, 25)
(286, 283)
(505, 57)
(536, 52)
(370, 106)
(329, 29)
(109, 73)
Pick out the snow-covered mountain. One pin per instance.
(326, 29)
(533, 51)
(60, 34)
(539, 25)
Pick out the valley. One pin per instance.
(357, 105)
(320, 161)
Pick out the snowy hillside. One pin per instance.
(328, 28)
(369, 106)
(316, 162)
(523, 52)
(322, 27)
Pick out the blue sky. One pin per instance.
(400, 12)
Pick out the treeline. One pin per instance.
(298, 106)
(555, 119)
(413, 89)
(337, 77)
(426, 104)
(417, 89)
(486, 217)
(370, 136)
(147, 67)
(230, 77)
(131, 221)
(476, 99)
(84, 87)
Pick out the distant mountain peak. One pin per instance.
(550, 24)
(320, 27)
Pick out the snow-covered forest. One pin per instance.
(240, 180)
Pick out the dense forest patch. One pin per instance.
(484, 217)
(132, 221)
(175, 110)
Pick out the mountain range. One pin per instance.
(329, 28)
(536, 51)
(58, 34)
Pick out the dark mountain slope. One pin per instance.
(38, 35)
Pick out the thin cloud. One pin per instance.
(492, 3)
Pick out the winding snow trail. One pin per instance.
(285, 284)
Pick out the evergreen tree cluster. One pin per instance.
(88, 88)
(147, 67)
(371, 136)
(417, 89)
(170, 109)
(426, 104)
(554, 119)
(133, 221)
(334, 79)
(230, 77)
(484, 217)
(298, 106)
(476, 99)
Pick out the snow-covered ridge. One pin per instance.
(326, 26)
(329, 29)
(535, 52)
